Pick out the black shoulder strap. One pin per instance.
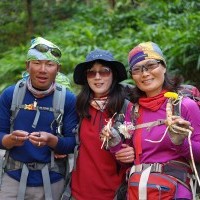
(121, 115)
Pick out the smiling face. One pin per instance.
(42, 73)
(150, 82)
(99, 78)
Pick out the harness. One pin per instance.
(58, 165)
(57, 109)
(178, 169)
(148, 125)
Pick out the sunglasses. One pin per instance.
(148, 66)
(105, 72)
(44, 48)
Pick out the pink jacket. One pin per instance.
(165, 150)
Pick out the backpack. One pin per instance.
(191, 92)
(185, 90)
(58, 111)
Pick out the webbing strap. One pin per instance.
(49, 109)
(135, 168)
(58, 105)
(58, 166)
(193, 186)
(67, 192)
(46, 183)
(1, 170)
(143, 184)
(155, 167)
(22, 184)
(147, 125)
(3, 162)
(36, 118)
(76, 151)
(52, 159)
(59, 98)
(18, 96)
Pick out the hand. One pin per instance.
(16, 138)
(111, 136)
(105, 133)
(43, 138)
(179, 130)
(125, 155)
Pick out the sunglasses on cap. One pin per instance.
(148, 66)
(104, 72)
(44, 48)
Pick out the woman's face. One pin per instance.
(99, 78)
(149, 76)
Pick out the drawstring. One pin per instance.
(100, 119)
(101, 122)
(95, 117)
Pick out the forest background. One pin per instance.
(79, 26)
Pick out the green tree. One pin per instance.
(78, 28)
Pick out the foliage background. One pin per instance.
(79, 26)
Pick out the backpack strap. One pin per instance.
(23, 182)
(148, 125)
(58, 105)
(120, 117)
(17, 99)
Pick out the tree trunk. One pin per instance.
(29, 17)
(112, 3)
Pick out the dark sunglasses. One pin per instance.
(44, 48)
(105, 72)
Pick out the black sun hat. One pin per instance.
(96, 55)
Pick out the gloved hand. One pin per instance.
(115, 138)
(110, 137)
(179, 130)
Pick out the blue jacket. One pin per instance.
(24, 120)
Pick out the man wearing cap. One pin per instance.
(31, 137)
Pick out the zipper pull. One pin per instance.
(35, 103)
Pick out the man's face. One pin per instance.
(42, 73)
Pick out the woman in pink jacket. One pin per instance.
(161, 139)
